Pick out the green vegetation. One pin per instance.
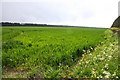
(58, 52)
(0, 52)
(101, 63)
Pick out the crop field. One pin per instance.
(49, 52)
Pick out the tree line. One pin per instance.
(9, 24)
(20, 24)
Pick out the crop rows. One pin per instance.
(45, 51)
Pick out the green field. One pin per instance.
(52, 52)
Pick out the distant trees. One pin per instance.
(31, 24)
(3, 24)
(20, 24)
(10, 24)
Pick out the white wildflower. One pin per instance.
(100, 76)
(98, 56)
(114, 74)
(106, 65)
(107, 74)
(101, 58)
(110, 57)
(84, 51)
(90, 54)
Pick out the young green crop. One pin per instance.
(45, 51)
(103, 62)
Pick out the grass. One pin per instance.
(101, 63)
(58, 52)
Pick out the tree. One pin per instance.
(116, 23)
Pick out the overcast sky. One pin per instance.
(93, 13)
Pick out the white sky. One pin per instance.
(93, 13)
(119, 8)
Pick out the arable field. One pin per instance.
(50, 52)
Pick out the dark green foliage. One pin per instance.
(11, 44)
(116, 23)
